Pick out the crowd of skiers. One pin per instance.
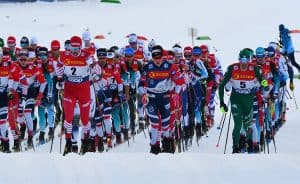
(114, 93)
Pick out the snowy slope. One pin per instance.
(232, 25)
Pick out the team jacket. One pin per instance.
(74, 69)
(158, 79)
(34, 74)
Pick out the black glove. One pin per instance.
(10, 95)
(223, 107)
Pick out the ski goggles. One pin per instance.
(74, 49)
(24, 45)
(187, 55)
(244, 59)
(43, 56)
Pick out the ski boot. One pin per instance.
(250, 148)
(91, 144)
(100, 144)
(141, 124)
(236, 150)
(74, 146)
(168, 145)
(51, 133)
(242, 144)
(1, 146)
(109, 142)
(268, 136)
(186, 136)
(16, 147)
(256, 148)
(204, 128)
(84, 146)
(68, 147)
(34, 124)
(118, 138)
(126, 136)
(30, 142)
(6, 146)
(198, 131)
(22, 131)
(155, 149)
(42, 138)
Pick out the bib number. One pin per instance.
(242, 85)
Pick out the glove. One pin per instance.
(10, 95)
(145, 99)
(292, 87)
(22, 104)
(122, 96)
(59, 85)
(223, 107)
(39, 99)
(275, 95)
(265, 85)
(50, 99)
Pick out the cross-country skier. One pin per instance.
(47, 103)
(286, 41)
(74, 70)
(155, 83)
(245, 79)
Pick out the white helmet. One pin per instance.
(151, 44)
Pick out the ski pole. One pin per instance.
(223, 116)
(289, 95)
(122, 110)
(32, 136)
(272, 135)
(266, 125)
(62, 126)
(295, 99)
(227, 132)
(15, 119)
(222, 122)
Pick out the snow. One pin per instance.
(232, 24)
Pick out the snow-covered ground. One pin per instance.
(232, 24)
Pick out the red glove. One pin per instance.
(145, 99)
(39, 99)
